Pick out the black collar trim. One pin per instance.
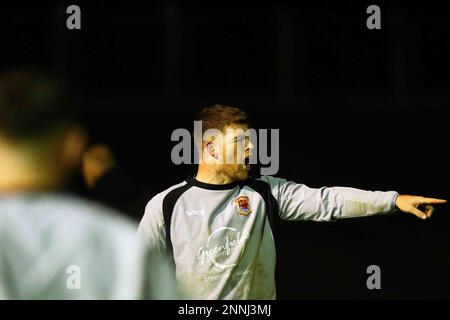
(209, 186)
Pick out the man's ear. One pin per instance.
(211, 149)
(72, 145)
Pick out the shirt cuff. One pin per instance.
(394, 208)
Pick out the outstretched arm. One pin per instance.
(300, 202)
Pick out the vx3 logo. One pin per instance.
(195, 212)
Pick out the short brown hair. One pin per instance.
(220, 116)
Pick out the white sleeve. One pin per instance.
(152, 228)
(300, 202)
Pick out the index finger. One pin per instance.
(432, 201)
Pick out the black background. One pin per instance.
(355, 107)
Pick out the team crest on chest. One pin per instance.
(243, 205)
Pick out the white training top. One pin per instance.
(221, 236)
(55, 246)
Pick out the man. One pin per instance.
(219, 225)
(54, 245)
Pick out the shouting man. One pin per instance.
(218, 226)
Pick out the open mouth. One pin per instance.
(247, 164)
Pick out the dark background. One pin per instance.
(355, 107)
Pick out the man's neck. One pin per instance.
(18, 174)
(211, 176)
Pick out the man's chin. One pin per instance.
(243, 175)
(238, 173)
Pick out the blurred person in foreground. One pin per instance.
(54, 245)
(219, 225)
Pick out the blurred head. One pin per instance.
(229, 155)
(96, 162)
(39, 137)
